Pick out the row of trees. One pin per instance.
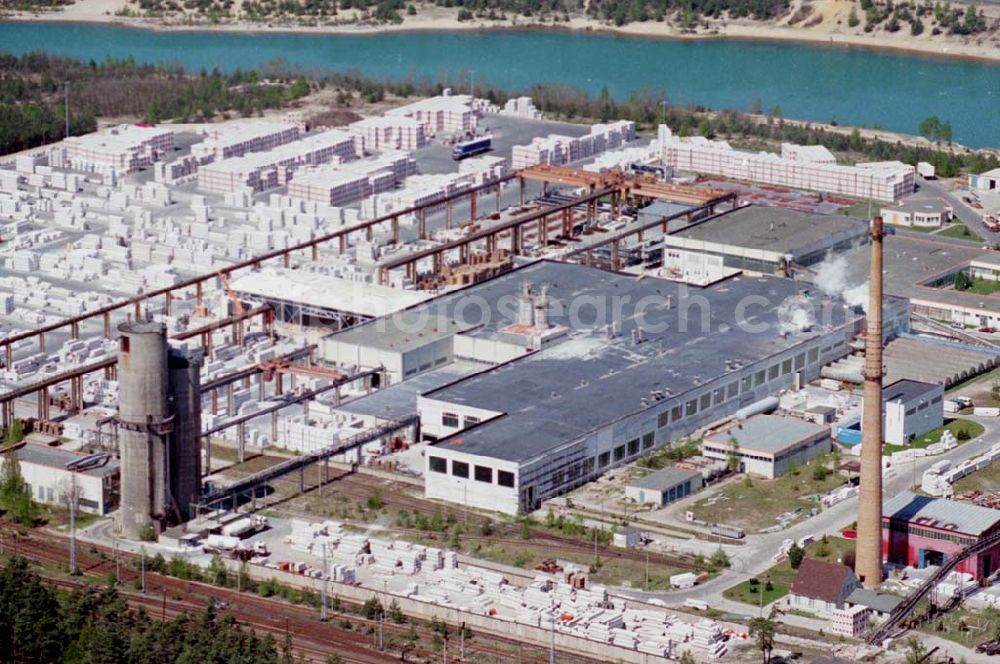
(15, 495)
(33, 89)
(943, 17)
(92, 626)
(122, 87)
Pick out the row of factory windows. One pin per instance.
(904, 527)
(735, 388)
(629, 449)
(451, 420)
(49, 496)
(632, 448)
(425, 367)
(711, 449)
(923, 405)
(479, 473)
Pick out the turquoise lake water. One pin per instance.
(810, 82)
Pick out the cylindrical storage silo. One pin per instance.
(185, 453)
(144, 425)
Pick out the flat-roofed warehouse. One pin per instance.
(663, 486)
(317, 300)
(566, 393)
(769, 445)
(923, 268)
(763, 239)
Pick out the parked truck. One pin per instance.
(732, 532)
(472, 148)
(232, 547)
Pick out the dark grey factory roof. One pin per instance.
(413, 333)
(664, 479)
(941, 513)
(769, 433)
(557, 395)
(906, 390)
(53, 457)
(881, 602)
(911, 261)
(775, 229)
(400, 399)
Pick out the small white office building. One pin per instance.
(49, 473)
(769, 445)
(912, 408)
(925, 213)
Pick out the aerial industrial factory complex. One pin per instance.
(496, 335)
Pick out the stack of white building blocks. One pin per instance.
(939, 478)
(483, 169)
(266, 170)
(556, 149)
(521, 107)
(434, 576)
(450, 114)
(391, 132)
(621, 159)
(120, 150)
(341, 184)
(236, 140)
(882, 180)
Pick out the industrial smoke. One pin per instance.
(832, 280)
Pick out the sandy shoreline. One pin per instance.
(431, 18)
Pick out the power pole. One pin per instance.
(142, 568)
(552, 640)
(73, 570)
(323, 611)
(647, 568)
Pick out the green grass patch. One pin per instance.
(862, 209)
(986, 479)
(781, 576)
(755, 504)
(963, 430)
(915, 229)
(750, 593)
(965, 626)
(983, 286)
(960, 231)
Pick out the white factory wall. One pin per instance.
(433, 416)
(47, 485)
(470, 491)
(769, 465)
(347, 354)
(487, 350)
(575, 463)
(430, 355)
(904, 421)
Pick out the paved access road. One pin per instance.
(756, 555)
(969, 216)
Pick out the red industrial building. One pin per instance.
(919, 531)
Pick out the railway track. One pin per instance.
(167, 597)
(360, 488)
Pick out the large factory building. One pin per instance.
(584, 370)
(919, 531)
